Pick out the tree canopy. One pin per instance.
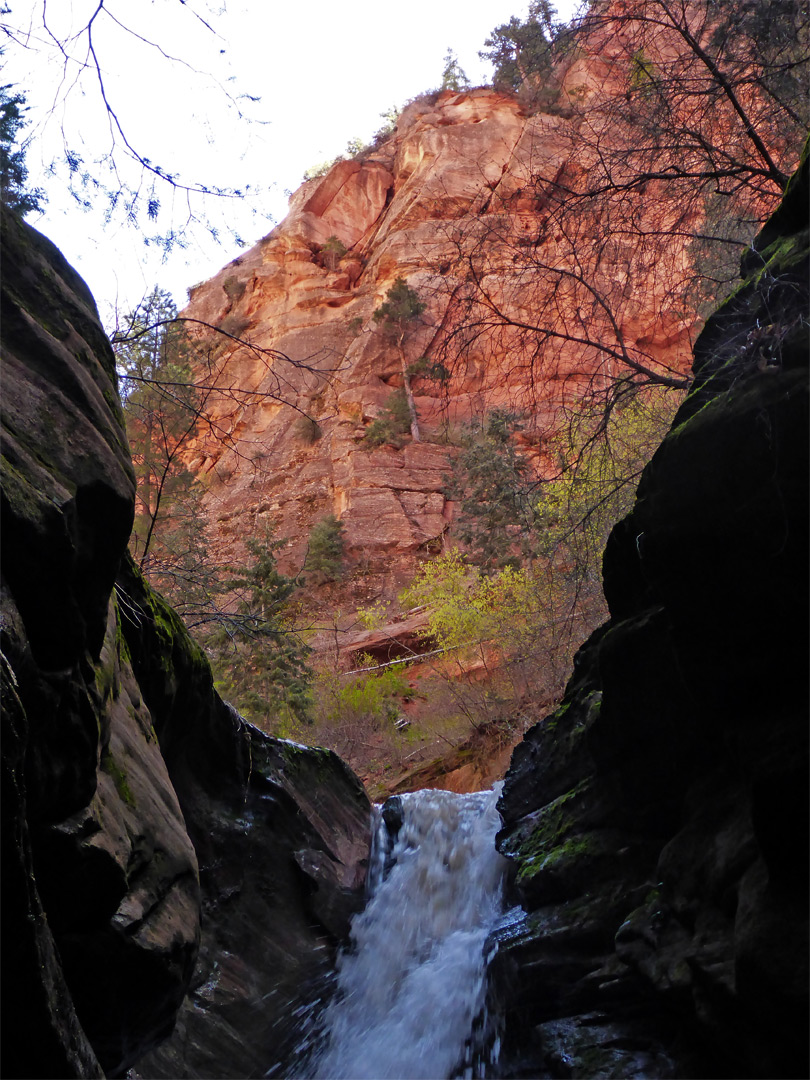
(15, 191)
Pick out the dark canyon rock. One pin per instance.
(282, 833)
(657, 822)
(137, 806)
(111, 876)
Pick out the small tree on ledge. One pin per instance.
(397, 315)
(324, 561)
(453, 76)
(333, 251)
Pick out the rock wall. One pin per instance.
(657, 821)
(151, 838)
(459, 175)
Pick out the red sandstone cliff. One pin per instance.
(457, 177)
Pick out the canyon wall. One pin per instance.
(657, 821)
(154, 843)
(462, 174)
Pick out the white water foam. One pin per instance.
(413, 984)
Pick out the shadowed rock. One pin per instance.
(657, 822)
(137, 805)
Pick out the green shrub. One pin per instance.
(321, 169)
(333, 251)
(423, 368)
(367, 700)
(324, 561)
(393, 423)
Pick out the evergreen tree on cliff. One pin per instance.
(15, 192)
(398, 316)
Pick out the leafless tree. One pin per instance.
(682, 122)
(115, 171)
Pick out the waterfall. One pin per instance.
(411, 989)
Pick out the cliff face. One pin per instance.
(458, 176)
(657, 822)
(146, 827)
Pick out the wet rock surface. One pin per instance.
(657, 822)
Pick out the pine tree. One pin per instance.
(493, 482)
(160, 405)
(520, 51)
(259, 660)
(324, 561)
(14, 190)
(453, 76)
(398, 315)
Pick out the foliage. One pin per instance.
(598, 468)
(161, 407)
(397, 315)
(259, 660)
(399, 310)
(498, 626)
(356, 146)
(322, 168)
(528, 586)
(233, 288)
(370, 698)
(392, 424)
(324, 561)
(453, 76)
(468, 607)
(389, 119)
(428, 369)
(374, 616)
(493, 483)
(520, 51)
(14, 190)
(308, 429)
(356, 715)
(333, 251)
(665, 173)
(106, 162)
(642, 71)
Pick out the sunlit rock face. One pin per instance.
(455, 182)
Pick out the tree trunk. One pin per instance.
(409, 398)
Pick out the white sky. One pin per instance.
(324, 71)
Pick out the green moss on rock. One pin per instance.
(119, 778)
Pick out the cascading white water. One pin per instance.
(413, 985)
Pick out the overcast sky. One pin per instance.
(323, 70)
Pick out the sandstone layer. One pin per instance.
(151, 838)
(657, 821)
(462, 174)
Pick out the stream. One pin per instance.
(411, 988)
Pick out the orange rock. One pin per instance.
(459, 170)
